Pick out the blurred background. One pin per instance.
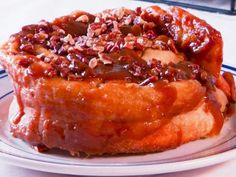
(220, 6)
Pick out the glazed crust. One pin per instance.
(111, 118)
(114, 117)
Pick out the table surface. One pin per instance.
(16, 13)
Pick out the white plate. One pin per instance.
(196, 154)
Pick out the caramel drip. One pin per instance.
(169, 96)
(213, 107)
(17, 90)
(230, 110)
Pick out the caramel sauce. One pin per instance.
(18, 96)
(169, 97)
(17, 119)
(121, 67)
(70, 26)
(113, 72)
(36, 70)
(230, 80)
(213, 107)
(134, 29)
(230, 110)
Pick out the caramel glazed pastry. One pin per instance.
(119, 81)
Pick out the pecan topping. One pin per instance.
(114, 41)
